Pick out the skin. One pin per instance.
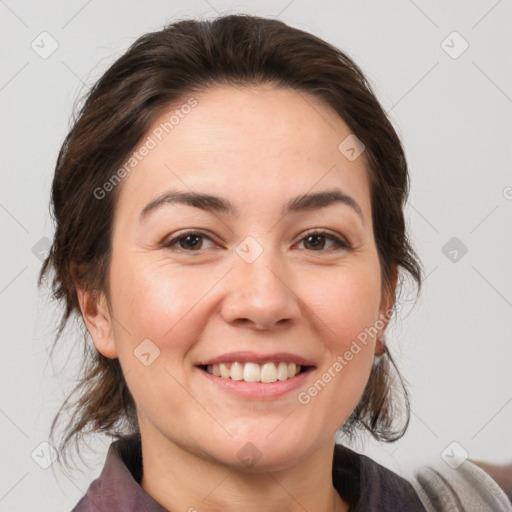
(257, 147)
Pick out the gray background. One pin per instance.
(453, 114)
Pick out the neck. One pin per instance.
(197, 482)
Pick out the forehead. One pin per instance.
(252, 143)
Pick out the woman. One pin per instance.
(229, 208)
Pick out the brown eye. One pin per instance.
(314, 241)
(317, 240)
(190, 242)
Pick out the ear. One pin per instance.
(97, 319)
(385, 310)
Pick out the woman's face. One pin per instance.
(252, 279)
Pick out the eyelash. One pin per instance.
(340, 244)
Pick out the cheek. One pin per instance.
(347, 312)
(348, 306)
(159, 304)
(156, 300)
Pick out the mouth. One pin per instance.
(266, 373)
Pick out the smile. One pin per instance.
(254, 372)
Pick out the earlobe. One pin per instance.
(98, 321)
(385, 311)
(379, 346)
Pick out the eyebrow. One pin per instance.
(221, 205)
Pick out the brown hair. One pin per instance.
(160, 69)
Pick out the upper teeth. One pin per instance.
(253, 372)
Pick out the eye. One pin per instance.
(312, 238)
(186, 241)
(192, 241)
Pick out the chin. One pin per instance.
(260, 453)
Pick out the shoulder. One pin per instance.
(466, 487)
(117, 487)
(431, 487)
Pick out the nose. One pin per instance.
(259, 295)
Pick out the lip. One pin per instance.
(258, 390)
(254, 357)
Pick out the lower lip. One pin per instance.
(257, 389)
